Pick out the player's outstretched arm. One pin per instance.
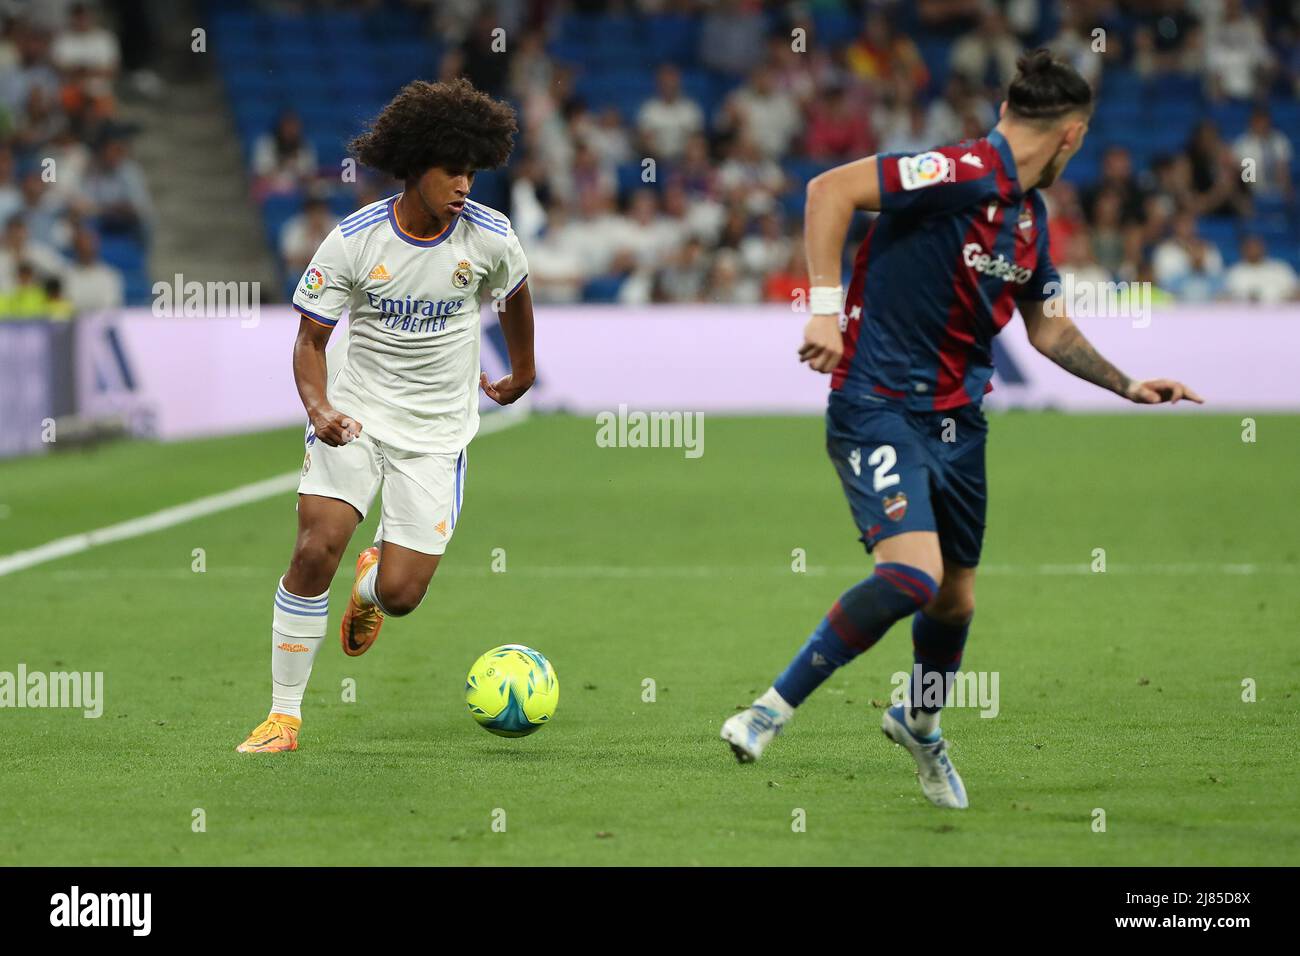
(1055, 335)
(517, 324)
(332, 426)
(831, 199)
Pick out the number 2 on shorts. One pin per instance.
(884, 459)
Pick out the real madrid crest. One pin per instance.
(460, 278)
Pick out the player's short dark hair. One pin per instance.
(451, 125)
(1046, 88)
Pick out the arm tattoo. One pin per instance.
(1075, 354)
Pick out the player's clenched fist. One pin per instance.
(335, 428)
(822, 343)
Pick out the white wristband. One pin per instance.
(826, 299)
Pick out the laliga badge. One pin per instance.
(924, 169)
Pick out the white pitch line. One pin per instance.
(179, 514)
(135, 527)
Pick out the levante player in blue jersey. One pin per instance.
(959, 245)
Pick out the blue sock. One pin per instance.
(857, 620)
(936, 650)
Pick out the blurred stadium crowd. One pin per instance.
(665, 144)
(74, 205)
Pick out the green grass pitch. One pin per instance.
(1119, 690)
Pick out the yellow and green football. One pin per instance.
(512, 691)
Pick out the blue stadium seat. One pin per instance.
(602, 289)
(1049, 25)
(1119, 116)
(629, 179)
(1230, 117)
(122, 252)
(136, 288)
(792, 203)
(276, 211)
(571, 52)
(240, 52)
(1276, 207)
(1180, 115)
(624, 90)
(1121, 85)
(251, 85)
(1166, 88)
(341, 204)
(1083, 170)
(708, 89)
(1223, 231)
(344, 24)
(1147, 142)
(233, 23)
(1271, 227)
(935, 52)
(672, 38)
(330, 149)
(397, 21)
(835, 28)
(492, 188)
(1286, 249)
(801, 171)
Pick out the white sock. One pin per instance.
(920, 722)
(368, 585)
(297, 630)
(774, 700)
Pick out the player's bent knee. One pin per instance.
(315, 560)
(402, 600)
(919, 550)
(911, 582)
(954, 609)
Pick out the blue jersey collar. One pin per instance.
(418, 240)
(1003, 148)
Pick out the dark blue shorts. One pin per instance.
(912, 471)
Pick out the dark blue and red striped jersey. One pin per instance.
(956, 244)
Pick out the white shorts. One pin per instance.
(422, 493)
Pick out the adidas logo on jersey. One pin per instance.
(380, 274)
(441, 527)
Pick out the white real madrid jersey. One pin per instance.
(411, 367)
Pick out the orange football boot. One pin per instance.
(277, 733)
(361, 622)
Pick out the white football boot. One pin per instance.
(750, 731)
(940, 781)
